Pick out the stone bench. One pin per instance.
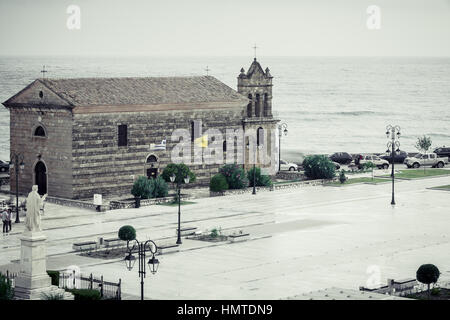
(238, 237)
(85, 246)
(113, 243)
(166, 248)
(186, 231)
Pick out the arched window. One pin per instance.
(259, 136)
(39, 131)
(266, 107)
(224, 146)
(249, 106)
(152, 159)
(257, 106)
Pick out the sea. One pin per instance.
(329, 104)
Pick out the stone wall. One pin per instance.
(54, 150)
(101, 166)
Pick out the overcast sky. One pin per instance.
(226, 27)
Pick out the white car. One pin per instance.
(288, 166)
(376, 160)
(426, 159)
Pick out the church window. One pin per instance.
(259, 136)
(39, 132)
(195, 129)
(224, 146)
(265, 104)
(257, 106)
(123, 135)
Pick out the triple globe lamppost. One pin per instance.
(393, 135)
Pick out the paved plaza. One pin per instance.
(301, 240)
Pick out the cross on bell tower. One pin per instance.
(254, 48)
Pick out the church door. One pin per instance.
(152, 173)
(40, 173)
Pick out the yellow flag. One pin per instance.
(202, 141)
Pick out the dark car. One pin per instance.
(341, 157)
(399, 157)
(442, 152)
(4, 166)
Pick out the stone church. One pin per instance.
(88, 136)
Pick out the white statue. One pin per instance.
(34, 204)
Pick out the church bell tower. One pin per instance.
(256, 85)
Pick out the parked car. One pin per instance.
(288, 166)
(4, 166)
(376, 160)
(399, 157)
(426, 159)
(341, 157)
(443, 152)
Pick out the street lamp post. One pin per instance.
(282, 128)
(178, 184)
(142, 248)
(393, 134)
(17, 164)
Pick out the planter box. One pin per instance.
(239, 237)
(186, 231)
(164, 249)
(85, 246)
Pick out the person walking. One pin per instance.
(5, 222)
(8, 219)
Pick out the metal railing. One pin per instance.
(10, 276)
(107, 289)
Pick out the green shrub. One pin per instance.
(160, 188)
(435, 291)
(319, 167)
(127, 233)
(6, 290)
(218, 183)
(235, 175)
(261, 180)
(143, 188)
(180, 171)
(54, 275)
(342, 177)
(85, 294)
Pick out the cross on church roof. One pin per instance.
(43, 71)
(207, 70)
(254, 48)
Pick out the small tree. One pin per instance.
(342, 177)
(235, 175)
(180, 170)
(423, 144)
(319, 167)
(427, 274)
(127, 233)
(218, 183)
(160, 188)
(142, 188)
(367, 166)
(260, 179)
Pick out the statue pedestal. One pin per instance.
(33, 282)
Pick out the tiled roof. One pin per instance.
(142, 91)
